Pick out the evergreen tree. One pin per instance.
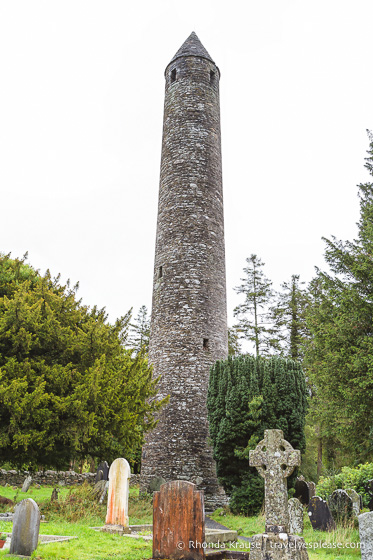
(69, 390)
(289, 318)
(339, 357)
(253, 314)
(234, 346)
(140, 331)
(246, 396)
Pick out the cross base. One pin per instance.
(282, 546)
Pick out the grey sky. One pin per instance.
(81, 106)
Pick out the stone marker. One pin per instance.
(54, 496)
(178, 521)
(275, 460)
(26, 524)
(356, 500)
(369, 491)
(304, 490)
(117, 505)
(156, 483)
(102, 472)
(319, 514)
(295, 516)
(340, 505)
(366, 535)
(27, 483)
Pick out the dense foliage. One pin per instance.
(356, 478)
(339, 358)
(246, 396)
(69, 389)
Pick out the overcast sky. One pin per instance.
(81, 108)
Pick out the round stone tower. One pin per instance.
(189, 310)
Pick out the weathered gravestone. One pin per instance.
(304, 490)
(369, 491)
(117, 505)
(366, 535)
(319, 514)
(26, 524)
(27, 483)
(102, 472)
(356, 500)
(295, 509)
(275, 460)
(156, 483)
(178, 522)
(340, 505)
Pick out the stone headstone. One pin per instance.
(178, 521)
(295, 516)
(356, 500)
(319, 514)
(302, 491)
(54, 496)
(340, 505)
(275, 460)
(104, 492)
(156, 483)
(366, 535)
(26, 524)
(312, 489)
(102, 472)
(27, 483)
(369, 491)
(117, 505)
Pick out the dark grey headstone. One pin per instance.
(369, 491)
(102, 471)
(26, 524)
(319, 514)
(340, 505)
(156, 483)
(302, 492)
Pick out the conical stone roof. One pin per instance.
(192, 47)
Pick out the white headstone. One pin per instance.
(366, 535)
(117, 504)
(26, 524)
(295, 516)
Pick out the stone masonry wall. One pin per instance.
(53, 478)
(189, 320)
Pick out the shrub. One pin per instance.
(349, 477)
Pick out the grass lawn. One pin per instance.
(320, 545)
(76, 511)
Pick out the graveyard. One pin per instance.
(111, 519)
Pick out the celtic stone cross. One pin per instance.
(275, 460)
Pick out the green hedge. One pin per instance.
(355, 478)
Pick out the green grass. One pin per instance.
(76, 511)
(320, 545)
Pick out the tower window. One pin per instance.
(212, 77)
(173, 75)
(205, 343)
(160, 272)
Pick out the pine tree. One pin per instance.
(340, 355)
(289, 318)
(140, 331)
(253, 313)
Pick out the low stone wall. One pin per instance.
(53, 478)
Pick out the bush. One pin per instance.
(355, 478)
(248, 498)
